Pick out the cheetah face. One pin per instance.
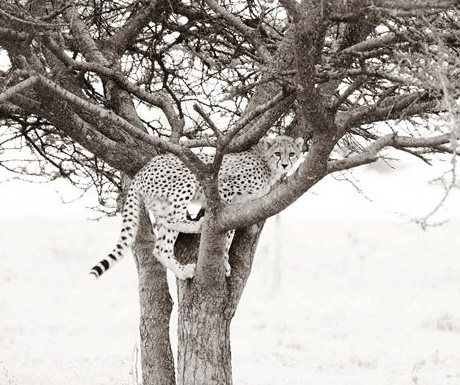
(281, 153)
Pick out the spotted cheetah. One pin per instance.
(167, 188)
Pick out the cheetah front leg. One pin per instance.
(164, 252)
(229, 235)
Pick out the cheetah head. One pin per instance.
(281, 153)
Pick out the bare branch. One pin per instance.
(29, 22)
(349, 91)
(393, 108)
(371, 44)
(185, 154)
(246, 31)
(309, 173)
(253, 114)
(370, 153)
(250, 137)
(208, 120)
(159, 99)
(18, 88)
(397, 8)
(83, 37)
(11, 35)
(126, 35)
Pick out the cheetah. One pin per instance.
(167, 188)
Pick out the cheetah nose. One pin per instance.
(284, 165)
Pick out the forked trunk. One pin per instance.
(205, 314)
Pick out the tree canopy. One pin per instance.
(96, 86)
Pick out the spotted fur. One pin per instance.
(167, 187)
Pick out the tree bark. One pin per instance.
(204, 355)
(156, 305)
(205, 313)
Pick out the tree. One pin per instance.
(97, 88)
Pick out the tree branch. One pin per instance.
(183, 153)
(118, 155)
(393, 108)
(209, 121)
(397, 8)
(160, 99)
(126, 35)
(308, 174)
(25, 22)
(370, 153)
(253, 114)
(246, 31)
(310, 32)
(251, 136)
(10, 35)
(18, 88)
(85, 42)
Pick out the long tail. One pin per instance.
(128, 233)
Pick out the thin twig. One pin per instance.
(208, 120)
(246, 31)
(351, 88)
(254, 113)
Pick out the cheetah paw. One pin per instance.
(186, 271)
(228, 268)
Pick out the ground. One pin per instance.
(328, 302)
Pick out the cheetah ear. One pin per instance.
(299, 143)
(265, 144)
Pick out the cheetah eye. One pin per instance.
(291, 154)
(278, 154)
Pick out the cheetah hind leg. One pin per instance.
(185, 226)
(164, 252)
(160, 209)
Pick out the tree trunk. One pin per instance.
(204, 335)
(156, 305)
(205, 313)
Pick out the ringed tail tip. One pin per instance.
(95, 272)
